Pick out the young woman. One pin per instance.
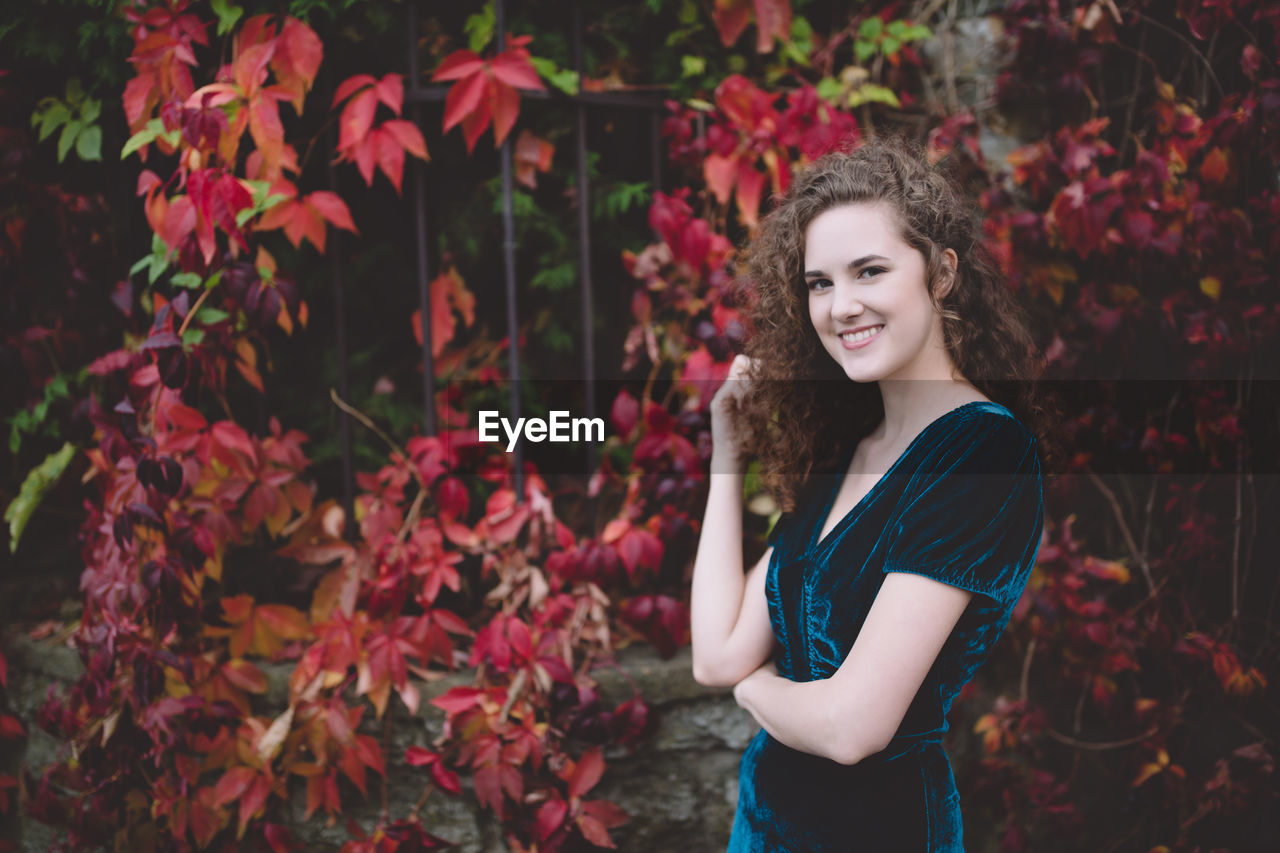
(876, 393)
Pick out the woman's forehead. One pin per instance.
(853, 230)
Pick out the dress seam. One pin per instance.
(925, 571)
(928, 811)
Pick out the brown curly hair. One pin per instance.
(795, 427)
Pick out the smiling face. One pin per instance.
(868, 299)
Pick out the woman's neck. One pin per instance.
(912, 404)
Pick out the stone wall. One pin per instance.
(679, 786)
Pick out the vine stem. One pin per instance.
(186, 321)
(1026, 669)
(513, 693)
(1208, 66)
(1099, 745)
(1138, 556)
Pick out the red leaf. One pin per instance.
(459, 64)
(639, 549)
(458, 699)
(595, 832)
(465, 98)
(474, 123)
(452, 498)
(4, 672)
(11, 727)
(267, 131)
(406, 133)
(550, 817)
(586, 773)
(232, 784)
(357, 118)
(390, 91)
(488, 788)
(731, 18)
(297, 59)
(606, 812)
(625, 413)
(390, 156)
(773, 20)
(350, 86)
(506, 108)
(720, 173)
(446, 778)
(332, 208)
(512, 67)
(251, 67)
(532, 155)
(750, 191)
(417, 756)
(253, 800)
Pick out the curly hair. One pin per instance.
(796, 428)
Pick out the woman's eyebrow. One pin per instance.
(853, 265)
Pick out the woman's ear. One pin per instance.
(950, 263)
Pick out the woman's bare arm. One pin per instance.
(732, 635)
(729, 615)
(857, 711)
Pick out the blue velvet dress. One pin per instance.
(962, 505)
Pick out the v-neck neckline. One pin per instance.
(816, 545)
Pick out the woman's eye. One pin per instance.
(873, 270)
(819, 283)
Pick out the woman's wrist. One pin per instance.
(726, 460)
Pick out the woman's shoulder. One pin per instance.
(982, 429)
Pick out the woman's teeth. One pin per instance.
(855, 337)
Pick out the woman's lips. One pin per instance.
(860, 339)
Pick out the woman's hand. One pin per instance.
(768, 670)
(724, 441)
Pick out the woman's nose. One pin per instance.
(846, 303)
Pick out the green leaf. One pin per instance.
(147, 135)
(871, 93)
(870, 28)
(692, 66)
(89, 144)
(561, 78)
(890, 45)
(52, 116)
(227, 15)
(479, 28)
(864, 50)
(208, 316)
(829, 89)
(556, 278)
(192, 336)
(38, 482)
(90, 110)
(186, 279)
(69, 133)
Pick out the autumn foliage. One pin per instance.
(1139, 228)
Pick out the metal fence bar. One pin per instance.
(584, 240)
(344, 382)
(509, 264)
(420, 237)
(417, 95)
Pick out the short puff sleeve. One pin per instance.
(973, 511)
